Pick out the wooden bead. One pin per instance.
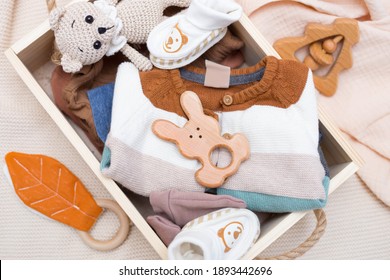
(329, 46)
(319, 55)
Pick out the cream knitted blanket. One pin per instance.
(26, 127)
(357, 230)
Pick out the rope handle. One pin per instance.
(307, 244)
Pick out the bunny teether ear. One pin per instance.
(199, 137)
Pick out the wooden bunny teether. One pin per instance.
(199, 137)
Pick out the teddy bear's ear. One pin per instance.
(69, 64)
(220, 232)
(55, 16)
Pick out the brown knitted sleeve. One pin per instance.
(290, 82)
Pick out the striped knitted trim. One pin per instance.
(106, 158)
(209, 217)
(198, 51)
(159, 174)
(277, 204)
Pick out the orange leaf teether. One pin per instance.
(199, 137)
(48, 187)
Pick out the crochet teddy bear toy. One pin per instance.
(85, 31)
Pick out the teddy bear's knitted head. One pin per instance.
(83, 33)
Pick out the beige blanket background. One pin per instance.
(361, 105)
(358, 223)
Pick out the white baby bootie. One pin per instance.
(226, 234)
(180, 39)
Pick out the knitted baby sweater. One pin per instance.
(276, 111)
(269, 82)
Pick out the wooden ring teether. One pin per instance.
(121, 235)
(199, 137)
(322, 41)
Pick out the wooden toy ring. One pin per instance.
(121, 235)
(323, 40)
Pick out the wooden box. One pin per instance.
(34, 50)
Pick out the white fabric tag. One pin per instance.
(217, 76)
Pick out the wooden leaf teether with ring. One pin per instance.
(322, 41)
(50, 188)
(199, 137)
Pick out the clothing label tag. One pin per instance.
(217, 76)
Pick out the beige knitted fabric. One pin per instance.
(358, 225)
(357, 228)
(26, 127)
(86, 31)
